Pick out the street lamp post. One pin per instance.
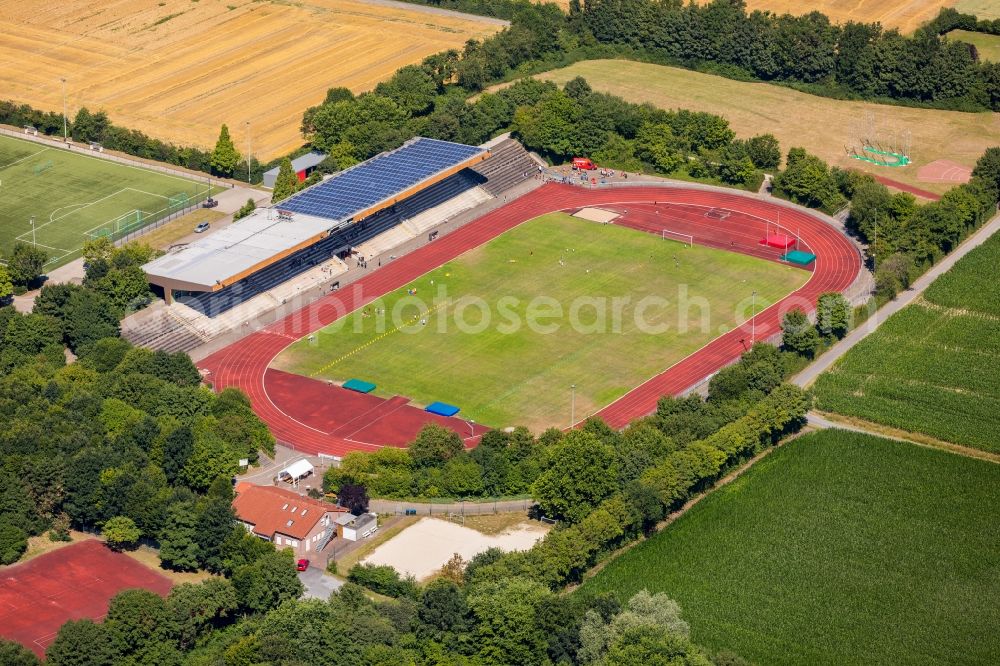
(572, 406)
(65, 131)
(472, 428)
(753, 319)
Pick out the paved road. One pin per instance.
(824, 362)
(318, 584)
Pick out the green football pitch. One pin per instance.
(506, 329)
(74, 196)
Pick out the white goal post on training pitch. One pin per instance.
(687, 239)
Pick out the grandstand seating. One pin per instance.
(509, 164)
(162, 331)
(215, 303)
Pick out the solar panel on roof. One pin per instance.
(379, 178)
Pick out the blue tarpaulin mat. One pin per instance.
(441, 408)
(359, 386)
(799, 257)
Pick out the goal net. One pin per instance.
(686, 239)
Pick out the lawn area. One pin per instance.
(932, 367)
(837, 548)
(514, 361)
(988, 46)
(71, 193)
(820, 125)
(164, 236)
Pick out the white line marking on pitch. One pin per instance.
(23, 158)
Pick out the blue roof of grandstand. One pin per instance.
(361, 187)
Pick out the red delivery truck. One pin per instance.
(583, 164)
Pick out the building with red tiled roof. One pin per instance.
(285, 518)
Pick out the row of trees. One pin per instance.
(514, 463)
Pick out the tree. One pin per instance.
(13, 542)
(798, 334)
(833, 315)
(656, 613)
(247, 208)
(581, 472)
(225, 156)
(6, 284)
(196, 608)
(764, 151)
(266, 583)
(506, 630)
(179, 540)
(121, 533)
(88, 317)
(435, 445)
(354, 497)
(443, 607)
(241, 548)
(13, 654)
(81, 643)
(215, 522)
(139, 626)
(25, 263)
(286, 183)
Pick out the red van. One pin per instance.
(583, 164)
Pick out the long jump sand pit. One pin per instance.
(178, 69)
(423, 548)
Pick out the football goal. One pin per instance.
(676, 236)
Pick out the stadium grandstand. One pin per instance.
(348, 219)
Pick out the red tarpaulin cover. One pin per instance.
(781, 241)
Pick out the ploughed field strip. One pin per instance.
(513, 362)
(837, 548)
(931, 368)
(74, 197)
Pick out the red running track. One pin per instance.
(244, 364)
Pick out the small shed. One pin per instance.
(356, 528)
(302, 165)
(297, 470)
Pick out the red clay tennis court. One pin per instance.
(71, 583)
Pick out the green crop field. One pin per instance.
(74, 196)
(505, 374)
(932, 367)
(838, 548)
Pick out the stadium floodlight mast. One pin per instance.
(65, 131)
(753, 318)
(472, 427)
(32, 221)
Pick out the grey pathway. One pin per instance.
(824, 362)
(318, 583)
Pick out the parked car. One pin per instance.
(302, 565)
(202, 228)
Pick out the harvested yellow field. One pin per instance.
(822, 126)
(984, 9)
(906, 15)
(178, 69)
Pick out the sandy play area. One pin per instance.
(425, 547)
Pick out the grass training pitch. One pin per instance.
(179, 69)
(75, 197)
(502, 374)
(824, 127)
(932, 367)
(837, 548)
